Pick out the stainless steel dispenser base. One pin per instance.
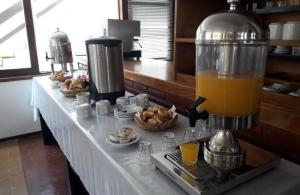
(201, 179)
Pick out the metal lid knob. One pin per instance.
(233, 4)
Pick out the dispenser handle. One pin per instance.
(197, 102)
(193, 113)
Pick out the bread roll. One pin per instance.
(67, 83)
(151, 121)
(148, 114)
(153, 109)
(163, 112)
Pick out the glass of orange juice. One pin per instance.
(190, 147)
(189, 152)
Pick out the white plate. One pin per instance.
(131, 107)
(55, 84)
(131, 110)
(124, 113)
(138, 137)
(124, 119)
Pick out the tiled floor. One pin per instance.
(29, 167)
(12, 179)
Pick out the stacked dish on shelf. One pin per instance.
(285, 31)
(291, 31)
(278, 87)
(295, 93)
(282, 50)
(283, 88)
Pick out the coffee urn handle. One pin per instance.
(194, 114)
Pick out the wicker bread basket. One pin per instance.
(72, 93)
(157, 127)
(60, 79)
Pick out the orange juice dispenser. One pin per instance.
(231, 52)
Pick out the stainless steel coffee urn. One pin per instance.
(60, 51)
(105, 64)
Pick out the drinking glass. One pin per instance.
(190, 147)
(83, 111)
(145, 151)
(123, 101)
(189, 152)
(82, 98)
(191, 134)
(169, 142)
(102, 107)
(142, 100)
(205, 132)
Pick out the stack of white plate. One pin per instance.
(125, 112)
(295, 93)
(278, 87)
(282, 50)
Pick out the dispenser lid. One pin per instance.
(59, 37)
(232, 26)
(107, 41)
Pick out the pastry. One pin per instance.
(123, 136)
(163, 112)
(126, 131)
(75, 84)
(153, 109)
(158, 120)
(154, 115)
(58, 76)
(152, 121)
(67, 83)
(148, 114)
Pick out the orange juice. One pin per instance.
(189, 152)
(228, 95)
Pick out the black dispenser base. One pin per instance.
(108, 96)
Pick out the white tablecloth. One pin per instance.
(108, 170)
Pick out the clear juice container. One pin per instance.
(231, 53)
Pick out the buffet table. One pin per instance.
(105, 169)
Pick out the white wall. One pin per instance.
(16, 115)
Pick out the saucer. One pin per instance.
(138, 137)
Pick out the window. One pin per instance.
(14, 44)
(156, 18)
(27, 25)
(79, 19)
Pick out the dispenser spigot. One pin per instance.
(194, 114)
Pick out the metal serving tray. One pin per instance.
(201, 179)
